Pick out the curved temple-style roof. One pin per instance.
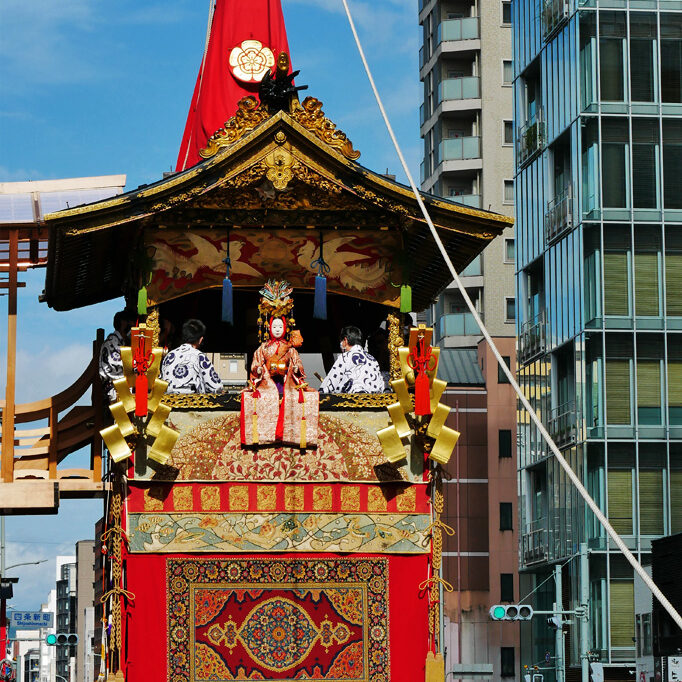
(288, 171)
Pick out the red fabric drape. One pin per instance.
(217, 91)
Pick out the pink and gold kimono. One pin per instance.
(279, 406)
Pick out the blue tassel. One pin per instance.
(228, 306)
(405, 298)
(320, 302)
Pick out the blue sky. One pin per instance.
(99, 88)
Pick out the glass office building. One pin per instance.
(598, 123)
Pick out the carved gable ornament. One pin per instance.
(308, 114)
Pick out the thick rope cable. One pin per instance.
(211, 11)
(536, 420)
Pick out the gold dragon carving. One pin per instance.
(248, 116)
(310, 115)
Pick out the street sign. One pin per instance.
(32, 619)
(674, 668)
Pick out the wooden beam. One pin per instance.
(7, 455)
(35, 496)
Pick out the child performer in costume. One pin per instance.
(279, 405)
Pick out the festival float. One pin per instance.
(269, 532)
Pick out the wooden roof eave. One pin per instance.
(460, 225)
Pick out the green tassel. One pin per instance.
(142, 301)
(405, 298)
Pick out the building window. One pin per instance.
(508, 132)
(506, 516)
(510, 309)
(671, 57)
(507, 72)
(612, 50)
(507, 587)
(615, 163)
(643, 56)
(504, 443)
(508, 192)
(506, 13)
(509, 250)
(672, 162)
(501, 376)
(507, 663)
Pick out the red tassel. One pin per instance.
(422, 399)
(141, 387)
(301, 399)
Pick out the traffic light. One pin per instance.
(62, 639)
(511, 612)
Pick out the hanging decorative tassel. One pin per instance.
(323, 269)
(142, 301)
(141, 344)
(228, 302)
(405, 298)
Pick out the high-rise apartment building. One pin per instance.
(598, 130)
(466, 123)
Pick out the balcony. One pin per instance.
(534, 543)
(559, 215)
(533, 338)
(554, 13)
(472, 200)
(458, 324)
(468, 87)
(562, 424)
(459, 29)
(530, 137)
(459, 148)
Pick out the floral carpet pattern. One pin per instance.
(278, 619)
(211, 449)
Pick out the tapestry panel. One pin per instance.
(209, 448)
(278, 619)
(292, 532)
(191, 260)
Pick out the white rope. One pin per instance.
(560, 458)
(211, 11)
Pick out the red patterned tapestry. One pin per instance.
(192, 260)
(278, 619)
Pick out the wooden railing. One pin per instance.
(38, 451)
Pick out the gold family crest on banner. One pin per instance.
(425, 431)
(125, 434)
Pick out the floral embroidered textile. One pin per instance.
(278, 619)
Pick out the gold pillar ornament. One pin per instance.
(126, 433)
(427, 433)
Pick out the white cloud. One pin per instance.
(49, 371)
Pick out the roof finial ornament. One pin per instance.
(276, 91)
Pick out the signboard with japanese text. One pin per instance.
(31, 619)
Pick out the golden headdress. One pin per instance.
(275, 301)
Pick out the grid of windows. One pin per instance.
(612, 281)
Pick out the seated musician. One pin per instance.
(187, 369)
(110, 363)
(355, 370)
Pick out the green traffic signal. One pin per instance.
(51, 640)
(498, 612)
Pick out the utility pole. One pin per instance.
(559, 632)
(585, 605)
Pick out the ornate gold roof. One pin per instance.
(272, 172)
